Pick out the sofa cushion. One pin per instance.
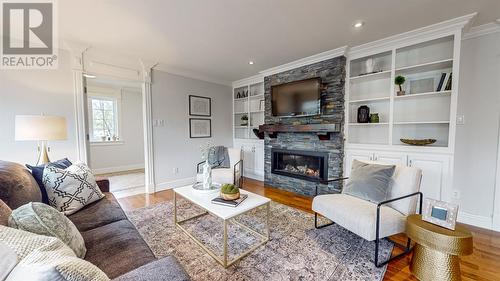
(5, 212)
(164, 269)
(46, 258)
(359, 216)
(116, 248)
(42, 219)
(17, 185)
(102, 212)
(70, 189)
(37, 172)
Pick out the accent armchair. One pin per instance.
(226, 175)
(372, 221)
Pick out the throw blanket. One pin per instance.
(218, 157)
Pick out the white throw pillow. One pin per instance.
(46, 258)
(70, 189)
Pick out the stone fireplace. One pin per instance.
(298, 150)
(308, 165)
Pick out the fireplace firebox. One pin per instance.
(307, 165)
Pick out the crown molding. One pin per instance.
(190, 74)
(482, 30)
(249, 80)
(430, 32)
(306, 61)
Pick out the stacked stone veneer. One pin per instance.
(332, 73)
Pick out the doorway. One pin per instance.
(116, 133)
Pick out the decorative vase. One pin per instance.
(363, 114)
(370, 65)
(374, 118)
(207, 175)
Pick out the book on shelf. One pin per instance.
(441, 82)
(448, 85)
(229, 203)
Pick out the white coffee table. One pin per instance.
(225, 213)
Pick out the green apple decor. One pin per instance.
(229, 192)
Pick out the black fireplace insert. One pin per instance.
(307, 165)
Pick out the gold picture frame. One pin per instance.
(440, 213)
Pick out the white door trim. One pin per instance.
(496, 199)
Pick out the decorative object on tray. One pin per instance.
(421, 142)
(363, 114)
(200, 106)
(440, 213)
(207, 169)
(244, 120)
(214, 188)
(200, 128)
(229, 192)
(400, 80)
(230, 203)
(258, 133)
(374, 118)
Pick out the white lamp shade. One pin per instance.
(40, 127)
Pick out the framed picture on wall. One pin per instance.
(200, 106)
(200, 128)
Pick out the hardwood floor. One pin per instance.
(483, 264)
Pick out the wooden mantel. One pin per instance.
(322, 130)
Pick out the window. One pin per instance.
(103, 117)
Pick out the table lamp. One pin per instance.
(41, 128)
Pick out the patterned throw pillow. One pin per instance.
(70, 189)
(46, 258)
(37, 172)
(42, 219)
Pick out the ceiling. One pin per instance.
(217, 38)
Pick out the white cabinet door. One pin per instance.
(248, 158)
(435, 171)
(259, 160)
(390, 158)
(350, 155)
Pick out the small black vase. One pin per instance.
(363, 114)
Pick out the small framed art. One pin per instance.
(440, 213)
(200, 128)
(200, 106)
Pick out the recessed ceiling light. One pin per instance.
(250, 62)
(89, 76)
(358, 24)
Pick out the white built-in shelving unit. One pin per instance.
(422, 113)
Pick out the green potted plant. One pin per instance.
(229, 192)
(400, 80)
(244, 120)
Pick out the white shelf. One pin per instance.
(370, 76)
(242, 112)
(370, 100)
(368, 124)
(429, 94)
(424, 67)
(241, 99)
(421, 122)
(241, 127)
(257, 111)
(257, 96)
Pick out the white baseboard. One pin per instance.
(174, 183)
(475, 220)
(117, 169)
(253, 175)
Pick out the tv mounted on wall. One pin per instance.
(295, 99)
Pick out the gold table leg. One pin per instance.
(428, 264)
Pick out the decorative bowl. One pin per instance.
(418, 142)
(233, 196)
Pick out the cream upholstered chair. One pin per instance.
(226, 175)
(373, 221)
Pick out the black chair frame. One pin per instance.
(238, 165)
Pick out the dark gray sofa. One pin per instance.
(113, 243)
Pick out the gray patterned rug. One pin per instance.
(296, 250)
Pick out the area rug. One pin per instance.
(296, 250)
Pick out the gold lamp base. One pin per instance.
(43, 154)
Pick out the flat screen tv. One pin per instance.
(300, 98)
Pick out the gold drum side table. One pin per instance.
(437, 249)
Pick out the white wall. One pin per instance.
(477, 139)
(35, 92)
(172, 146)
(127, 154)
